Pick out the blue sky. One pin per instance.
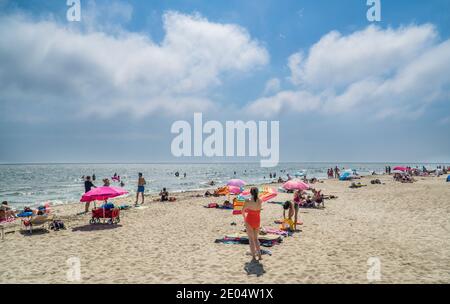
(109, 87)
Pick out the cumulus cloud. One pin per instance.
(380, 72)
(272, 86)
(53, 64)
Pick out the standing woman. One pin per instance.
(252, 218)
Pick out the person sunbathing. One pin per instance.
(309, 203)
(227, 204)
(6, 212)
(313, 180)
(318, 198)
(164, 195)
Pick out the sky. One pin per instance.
(109, 87)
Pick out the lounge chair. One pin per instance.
(4, 224)
(37, 221)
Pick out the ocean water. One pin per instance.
(32, 184)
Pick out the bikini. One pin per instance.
(253, 218)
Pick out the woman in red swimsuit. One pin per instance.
(251, 212)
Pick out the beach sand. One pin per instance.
(405, 226)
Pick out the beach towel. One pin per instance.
(287, 225)
(238, 204)
(271, 230)
(141, 207)
(222, 191)
(276, 203)
(241, 238)
(448, 178)
(7, 220)
(299, 222)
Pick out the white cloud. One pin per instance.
(378, 72)
(272, 86)
(44, 62)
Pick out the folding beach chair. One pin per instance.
(37, 221)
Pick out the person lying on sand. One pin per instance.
(356, 185)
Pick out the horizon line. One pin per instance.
(218, 162)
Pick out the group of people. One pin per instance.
(7, 213)
(403, 178)
(141, 182)
(333, 173)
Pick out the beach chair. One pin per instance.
(5, 224)
(37, 221)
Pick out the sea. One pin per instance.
(33, 184)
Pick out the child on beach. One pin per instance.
(288, 222)
(141, 188)
(251, 212)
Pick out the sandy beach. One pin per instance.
(405, 226)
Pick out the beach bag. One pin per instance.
(57, 225)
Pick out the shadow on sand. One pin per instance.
(97, 227)
(254, 268)
(36, 231)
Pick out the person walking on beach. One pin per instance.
(88, 185)
(252, 219)
(141, 188)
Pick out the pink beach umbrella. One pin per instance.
(399, 168)
(102, 193)
(296, 185)
(236, 182)
(235, 189)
